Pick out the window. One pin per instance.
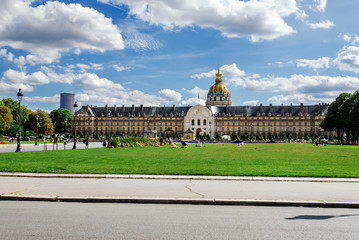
(204, 122)
(192, 122)
(199, 122)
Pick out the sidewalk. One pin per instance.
(313, 192)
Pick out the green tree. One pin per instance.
(336, 118)
(62, 118)
(353, 115)
(14, 109)
(6, 117)
(2, 124)
(45, 124)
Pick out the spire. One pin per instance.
(218, 76)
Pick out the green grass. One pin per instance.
(282, 159)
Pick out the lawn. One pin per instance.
(279, 159)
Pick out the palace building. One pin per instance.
(217, 118)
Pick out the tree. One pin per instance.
(13, 106)
(6, 117)
(62, 118)
(336, 116)
(353, 115)
(45, 124)
(2, 124)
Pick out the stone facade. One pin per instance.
(217, 118)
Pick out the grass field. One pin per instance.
(279, 159)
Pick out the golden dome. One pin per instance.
(218, 87)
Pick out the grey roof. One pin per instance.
(287, 110)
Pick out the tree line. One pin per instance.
(342, 117)
(59, 120)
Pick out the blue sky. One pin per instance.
(165, 52)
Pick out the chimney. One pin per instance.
(87, 108)
(123, 108)
(106, 108)
(282, 107)
(133, 107)
(301, 106)
(318, 106)
(261, 107)
(270, 106)
(115, 108)
(226, 108)
(174, 107)
(141, 107)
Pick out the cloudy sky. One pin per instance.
(164, 52)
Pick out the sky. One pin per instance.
(165, 52)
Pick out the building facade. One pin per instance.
(215, 119)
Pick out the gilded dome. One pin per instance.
(218, 87)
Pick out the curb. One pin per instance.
(178, 177)
(224, 202)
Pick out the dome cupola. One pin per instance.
(218, 94)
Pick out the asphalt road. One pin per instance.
(58, 220)
(49, 146)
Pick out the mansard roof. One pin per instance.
(174, 111)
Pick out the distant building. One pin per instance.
(217, 118)
(67, 101)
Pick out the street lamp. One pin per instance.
(19, 96)
(37, 130)
(75, 107)
(148, 127)
(88, 128)
(109, 128)
(210, 131)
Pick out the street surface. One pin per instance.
(57, 220)
(133, 188)
(49, 146)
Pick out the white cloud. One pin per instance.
(7, 55)
(197, 91)
(169, 95)
(347, 37)
(48, 30)
(14, 87)
(209, 74)
(348, 59)
(322, 62)
(323, 88)
(299, 98)
(323, 24)
(139, 41)
(230, 73)
(251, 103)
(13, 76)
(193, 101)
(120, 68)
(257, 20)
(52, 99)
(319, 5)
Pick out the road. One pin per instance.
(58, 220)
(50, 146)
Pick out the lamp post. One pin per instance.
(75, 107)
(37, 130)
(148, 127)
(210, 131)
(88, 128)
(109, 128)
(19, 96)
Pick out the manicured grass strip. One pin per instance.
(280, 159)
